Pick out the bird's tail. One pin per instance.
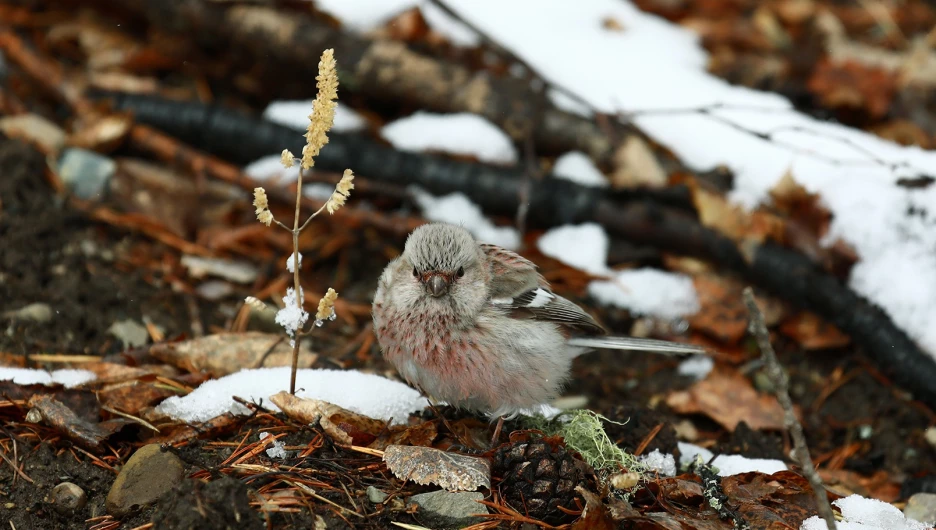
(636, 344)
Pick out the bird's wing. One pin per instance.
(518, 288)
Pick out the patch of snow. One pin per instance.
(238, 271)
(456, 208)
(270, 169)
(295, 114)
(579, 168)
(291, 262)
(728, 464)
(645, 291)
(662, 463)
(659, 65)
(696, 367)
(28, 376)
(859, 513)
(276, 450)
(648, 292)
(458, 134)
(441, 22)
(563, 101)
(292, 316)
(364, 15)
(583, 246)
(371, 395)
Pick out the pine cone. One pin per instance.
(537, 477)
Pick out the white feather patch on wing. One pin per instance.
(542, 298)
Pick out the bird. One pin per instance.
(475, 325)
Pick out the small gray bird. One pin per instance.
(476, 326)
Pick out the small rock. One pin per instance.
(37, 312)
(130, 333)
(68, 497)
(375, 495)
(148, 474)
(86, 173)
(921, 507)
(930, 436)
(444, 509)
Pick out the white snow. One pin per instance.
(648, 291)
(270, 169)
(295, 114)
(291, 262)
(728, 464)
(696, 367)
(276, 449)
(579, 168)
(456, 32)
(457, 209)
(28, 376)
(367, 394)
(859, 513)
(238, 271)
(457, 134)
(645, 291)
(583, 246)
(292, 317)
(658, 65)
(662, 463)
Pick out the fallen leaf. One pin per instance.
(61, 418)
(851, 84)
(104, 134)
(812, 332)
(425, 465)
(226, 353)
(728, 397)
(344, 426)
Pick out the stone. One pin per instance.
(67, 498)
(37, 312)
(148, 474)
(921, 507)
(85, 173)
(375, 495)
(130, 333)
(930, 436)
(445, 509)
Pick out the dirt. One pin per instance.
(52, 254)
(28, 504)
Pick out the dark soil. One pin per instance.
(51, 253)
(29, 505)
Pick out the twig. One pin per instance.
(781, 383)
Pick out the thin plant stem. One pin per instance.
(782, 389)
(299, 298)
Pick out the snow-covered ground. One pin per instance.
(653, 64)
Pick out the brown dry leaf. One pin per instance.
(61, 418)
(904, 132)
(408, 26)
(812, 332)
(728, 397)
(226, 353)
(880, 485)
(722, 313)
(635, 164)
(103, 135)
(595, 515)
(344, 426)
(781, 500)
(732, 221)
(425, 465)
(423, 433)
(47, 136)
(612, 24)
(851, 84)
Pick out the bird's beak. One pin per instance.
(437, 285)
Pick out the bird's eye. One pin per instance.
(415, 273)
(461, 272)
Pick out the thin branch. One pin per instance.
(781, 383)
